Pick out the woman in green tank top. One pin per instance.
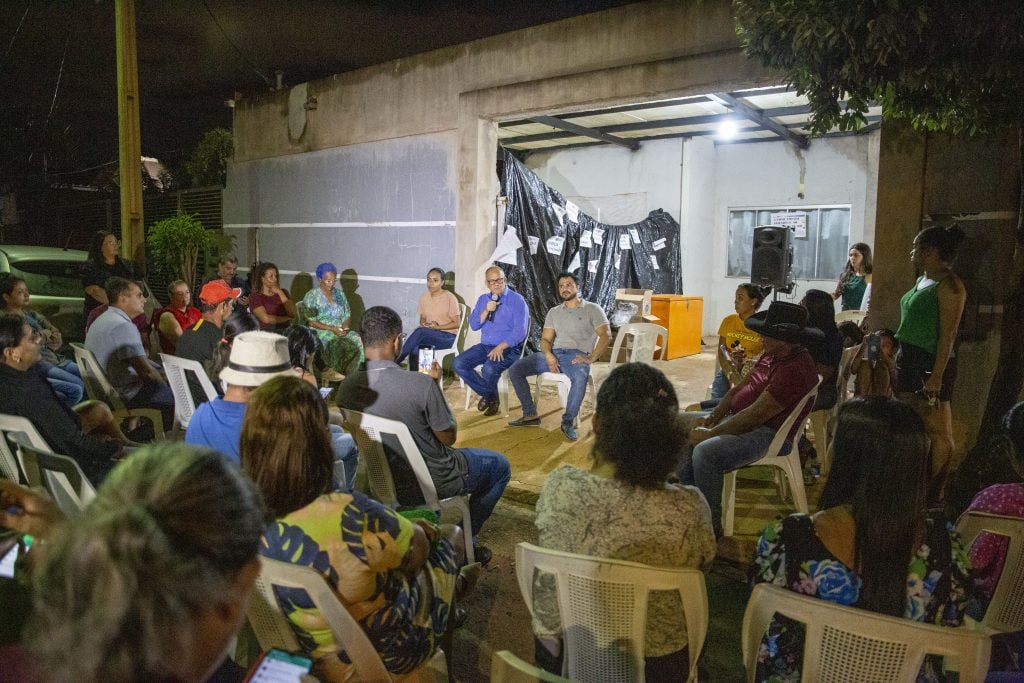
(855, 278)
(929, 318)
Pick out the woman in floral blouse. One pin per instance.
(871, 545)
(396, 577)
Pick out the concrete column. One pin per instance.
(898, 214)
(476, 188)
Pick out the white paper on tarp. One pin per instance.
(560, 212)
(573, 212)
(507, 247)
(635, 235)
(585, 240)
(598, 235)
(658, 244)
(534, 243)
(592, 265)
(554, 245)
(654, 262)
(797, 221)
(617, 260)
(574, 265)
(624, 242)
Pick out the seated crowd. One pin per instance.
(151, 582)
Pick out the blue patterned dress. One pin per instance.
(789, 554)
(358, 545)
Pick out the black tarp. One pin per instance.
(538, 211)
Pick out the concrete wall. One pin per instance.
(698, 183)
(639, 52)
(382, 212)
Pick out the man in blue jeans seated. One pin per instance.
(567, 346)
(503, 318)
(385, 389)
(740, 428)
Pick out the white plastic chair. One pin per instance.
(788, 465)
(62, 478)
(507, 668)
(15, 431)
(1006, 610)
(603, 607)
(273, 629)
(648, 338)
(849, 645)
(368, 431)
(177, 370)
(855, 316)
(460, 341)
(99, 388)
(502, 381)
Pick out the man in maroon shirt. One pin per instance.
(743, 424)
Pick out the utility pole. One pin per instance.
(129, 145)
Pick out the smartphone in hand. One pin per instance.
(426, 359)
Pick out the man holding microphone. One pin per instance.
(503, 319)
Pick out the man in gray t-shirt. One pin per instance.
(388, 390)
(576, 333)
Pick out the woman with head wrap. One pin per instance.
(328, 314)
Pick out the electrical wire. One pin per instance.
(60, 75)
(10, 45)
(236, 48)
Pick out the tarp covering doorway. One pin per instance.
(553, 236)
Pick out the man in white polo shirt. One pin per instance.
(118, 348)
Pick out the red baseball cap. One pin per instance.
(216, 291)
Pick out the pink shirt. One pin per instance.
(439, 309)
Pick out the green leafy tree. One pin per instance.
(208, 163)
(953, 66)
(175, 244)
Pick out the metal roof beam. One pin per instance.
(632, 145)
(760, 118)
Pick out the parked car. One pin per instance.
(54, 283)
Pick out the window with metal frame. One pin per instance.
(820, 245)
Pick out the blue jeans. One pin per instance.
(720, 385)
(486, 383)
(535, 364)
(66, 381)
(346, 456)
(424, 336)
(487, 476)
(706, 464)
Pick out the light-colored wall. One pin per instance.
(698, 183)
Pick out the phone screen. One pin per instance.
(9, 551)
(426, 358)
(278, 666)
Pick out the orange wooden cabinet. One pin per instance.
(681, 316)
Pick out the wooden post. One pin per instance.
(129, 145)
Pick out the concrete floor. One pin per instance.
(498, 618)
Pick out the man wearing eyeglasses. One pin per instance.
(503, 319)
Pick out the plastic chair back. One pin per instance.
(789, 465)
(849, 645)
(99, 388)
(62, 478)
(460, 341)
(9, 467)
(507, 668)
(15, 431)
(97, 385)
(603, 607)
(854, 316)
(177, 370)
(273, 629)
(368, 431)
(1006, 610)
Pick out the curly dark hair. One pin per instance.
(636, 426)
